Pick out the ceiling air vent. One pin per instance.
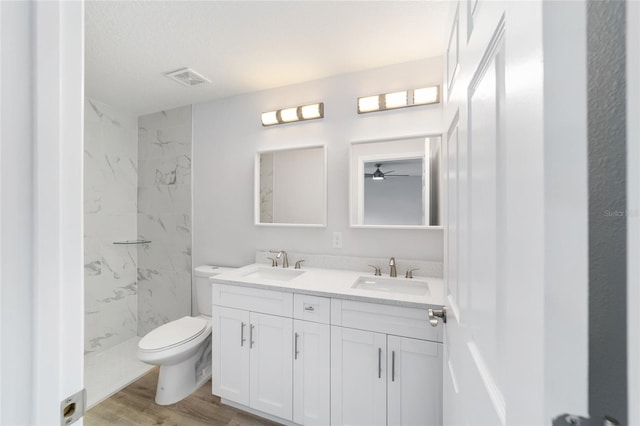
(187, 77)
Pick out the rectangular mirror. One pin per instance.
(291, 187)
(396, 183)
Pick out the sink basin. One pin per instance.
(393, 285)
(274, 274)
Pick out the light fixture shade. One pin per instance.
(269, 118)
(309, 112)
(426, 95)
(401, 99)
(288, 115)
(368, 104)
(292, 114)
(377, 175)
(395, 100)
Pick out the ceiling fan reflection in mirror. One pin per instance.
(379, 174)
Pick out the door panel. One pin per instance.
(414, 382)
(311, 373)
(231, 350)
(271, 370)
(358, 377)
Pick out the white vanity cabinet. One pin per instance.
(268, 361)
(386, 365)
(316, 360)
(252, 351)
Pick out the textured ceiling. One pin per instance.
(246, 46)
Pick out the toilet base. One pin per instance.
(176, 382)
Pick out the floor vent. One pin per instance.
(187, 77)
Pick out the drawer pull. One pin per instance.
(309, 308)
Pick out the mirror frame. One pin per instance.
(353, 188)
(256, 188)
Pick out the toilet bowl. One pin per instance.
(182, 348)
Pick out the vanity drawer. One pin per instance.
(389, 319)
(312, 308)
(253, 299)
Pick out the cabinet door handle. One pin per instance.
(295, 346)
(393, 366)
(242, 339)
(251, 342)
(379, 363)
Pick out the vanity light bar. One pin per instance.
(293, 114)
(406, 98)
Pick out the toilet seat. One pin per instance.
(172, 334)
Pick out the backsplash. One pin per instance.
(164, 217)
(425, 268)
(110, 214)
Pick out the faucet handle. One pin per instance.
(376, 271)
(409, 273)
(274, 262)
(298, 264)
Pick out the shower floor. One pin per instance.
(111, 370)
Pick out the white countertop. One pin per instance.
(338, 284)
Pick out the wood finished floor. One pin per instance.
(135, 405)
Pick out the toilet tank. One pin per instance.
(202, 287)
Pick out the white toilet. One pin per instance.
(182, 348)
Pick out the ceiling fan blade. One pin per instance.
(385, 175)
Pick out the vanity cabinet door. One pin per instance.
(414, 382)
(358, 377)
(311, 373)
(270, 364)
(231, 354)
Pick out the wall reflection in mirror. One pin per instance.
(396, 183)
(291, 187)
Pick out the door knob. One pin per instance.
(434, 314)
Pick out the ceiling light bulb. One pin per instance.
(288, 115)
(269, 118)
(396, 99)
(310, 111)
(368, 104)
(426, 95)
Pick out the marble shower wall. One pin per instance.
(164, 217)
(110, 214)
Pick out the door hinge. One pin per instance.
(570, 419)
(72, 408)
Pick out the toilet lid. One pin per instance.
(173, 333)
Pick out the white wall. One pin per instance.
(227, 133)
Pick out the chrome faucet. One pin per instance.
(392, 265)
(285, 259)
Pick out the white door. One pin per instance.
(311, 373)
(414, 382)
(231, 341)
(271, 368)
(358, 377)
(504, 362)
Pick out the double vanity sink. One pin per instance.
(419, 292)
(317, 346)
